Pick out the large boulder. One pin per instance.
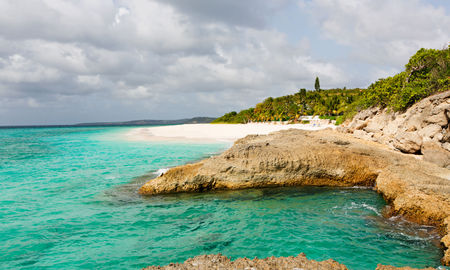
(434, 153)
(378, 122)
(408, 142)
(430, 131)
(438, 119)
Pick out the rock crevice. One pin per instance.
(423, 129)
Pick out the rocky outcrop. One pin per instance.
(418, 190)
(388, 267)
(423, 129)
(206, 262)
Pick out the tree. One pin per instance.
(302, 93)
(317, 84)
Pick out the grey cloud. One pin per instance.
(249, 13)
(382, 32)
(79, 61)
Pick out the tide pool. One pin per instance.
(68, 200)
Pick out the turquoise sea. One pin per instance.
(68, 200)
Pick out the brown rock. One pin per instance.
(446, 146)
(446, 136)
(207, 262)
(363, 135)
(438, 119)
(408, 142)
(434, 153)
(378, 122)
(358, 125)
(430, 131)
(388, 127)
(388, 267)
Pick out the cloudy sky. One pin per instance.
(64, 61)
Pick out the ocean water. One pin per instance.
(68, 200)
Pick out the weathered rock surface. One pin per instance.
(416, 189)
(207, 262)
(388, 267)
(425, 122)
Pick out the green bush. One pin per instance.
(426, 73)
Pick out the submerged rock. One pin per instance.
(206, 262)
(388, 267)
(417, 190)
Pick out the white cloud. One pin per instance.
(120, 13)
(90, 80)
(382, 32)
(18, 69)
(172, 58)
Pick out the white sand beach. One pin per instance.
(212, 132)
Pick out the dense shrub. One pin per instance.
(427, 72)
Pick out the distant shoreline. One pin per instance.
(194, 120)
(78, 126)
(213, 132)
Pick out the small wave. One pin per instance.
(361, 187)
(161, 171)
(365, 206)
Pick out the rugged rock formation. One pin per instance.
(207, 262)
(422, 129)
(416, 189)
(388, 267)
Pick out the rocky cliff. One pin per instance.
(417, 189)
(423, 129)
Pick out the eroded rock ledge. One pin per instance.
(416, 189)
(207, 262)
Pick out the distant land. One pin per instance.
(195, 120)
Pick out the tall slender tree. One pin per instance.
(317, 84)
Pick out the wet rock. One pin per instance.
(388, 267)
(206, 262)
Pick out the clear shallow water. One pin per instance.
(68, 200)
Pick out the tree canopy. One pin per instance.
(426, 73)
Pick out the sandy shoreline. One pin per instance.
(212, 132)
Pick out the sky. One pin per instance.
(65, 62)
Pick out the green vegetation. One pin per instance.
(427, 72)
(330, 102)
